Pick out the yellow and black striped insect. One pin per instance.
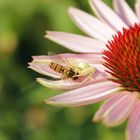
(66, 72)
(71, 69)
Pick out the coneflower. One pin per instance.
(113, 51)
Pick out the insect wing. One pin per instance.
(56, 58)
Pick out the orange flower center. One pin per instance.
(123, 58)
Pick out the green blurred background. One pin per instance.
(23, 115)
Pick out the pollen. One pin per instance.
(122, 58)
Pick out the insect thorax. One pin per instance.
(71, 73)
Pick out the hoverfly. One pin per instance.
(66, 72)
(72, 69)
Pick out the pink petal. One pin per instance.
(91, 25)
(133, 129)
(116, 109)
(125, 12)
(100, 67)
(100, 113)
(57, 84)
(76, 43)
(137, 8)
(94, 58)
(85, 95)
(107, 15)
(41, 63)
(44, 69)
(67, 84)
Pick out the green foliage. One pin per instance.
(23, 115)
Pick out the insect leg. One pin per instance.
(89, 77)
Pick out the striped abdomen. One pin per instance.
(67, 73)
(58, 68)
